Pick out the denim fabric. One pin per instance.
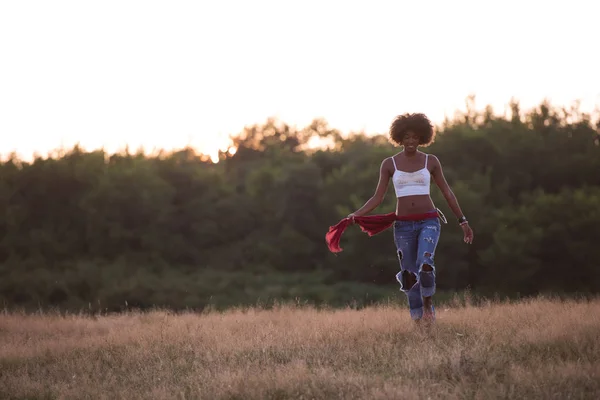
(416, 242)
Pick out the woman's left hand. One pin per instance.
(468, 232)
(351, 217)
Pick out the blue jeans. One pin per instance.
(416, 242)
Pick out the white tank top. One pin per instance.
(411, 183)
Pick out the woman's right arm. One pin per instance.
(377, 198)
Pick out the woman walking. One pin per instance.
(416, 222)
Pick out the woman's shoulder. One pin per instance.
(388, 164)
(432, 162)
(431, 156)
(387, 161)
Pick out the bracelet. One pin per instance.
(464, 223)
(462, 220)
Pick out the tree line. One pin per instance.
(96, 230)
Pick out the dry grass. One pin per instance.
(540, 349)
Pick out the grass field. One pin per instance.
(537, 349)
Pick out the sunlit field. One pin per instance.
(536, 349)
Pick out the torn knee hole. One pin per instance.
(409, 279)
(427, 265)
(400, 254)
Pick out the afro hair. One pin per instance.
(417, 123)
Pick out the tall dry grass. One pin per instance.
(538, 349)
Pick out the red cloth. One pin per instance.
(371, 224)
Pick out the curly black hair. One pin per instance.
(417, 123)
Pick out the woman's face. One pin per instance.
(410, 141)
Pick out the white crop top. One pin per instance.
(411, 183)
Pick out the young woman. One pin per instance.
(416, 222)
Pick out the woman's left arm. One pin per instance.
(440, 181)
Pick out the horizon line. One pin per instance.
(470, 101)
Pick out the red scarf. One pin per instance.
(371, 224)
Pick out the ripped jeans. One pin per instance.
(416, 242)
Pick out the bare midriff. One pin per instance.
(417, 204)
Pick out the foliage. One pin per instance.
(176, 230)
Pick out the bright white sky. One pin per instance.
(171, 73)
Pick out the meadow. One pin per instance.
(542, 348)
